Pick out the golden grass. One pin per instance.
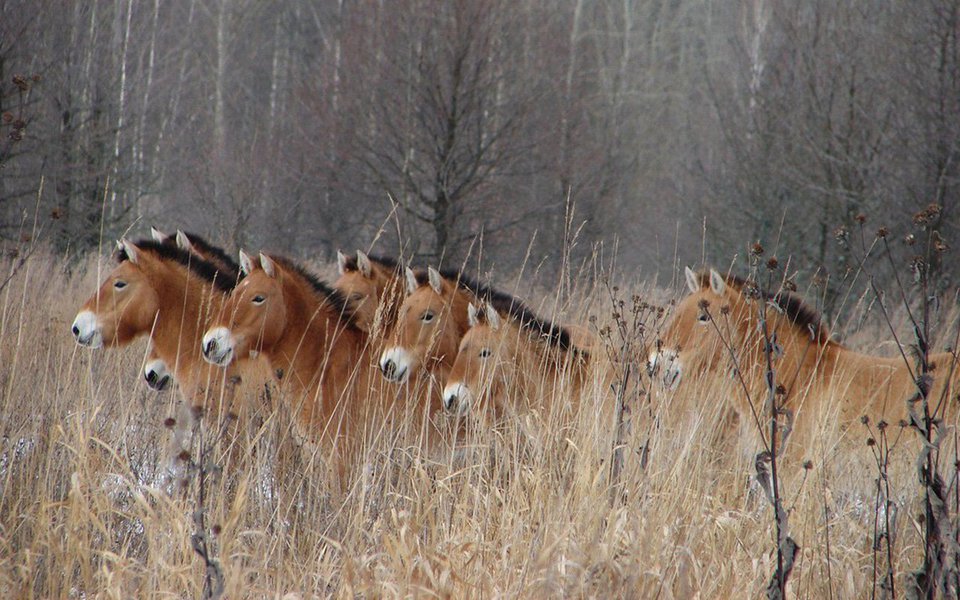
(522, 511)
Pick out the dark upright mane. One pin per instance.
(790, 304)
(508, 305)
(337, 300)
(229, 265)
(171, 253)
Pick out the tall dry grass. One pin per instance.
(87, 508)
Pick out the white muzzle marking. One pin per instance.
(86, 330)
(157, 375)
(667, 365)
(217, 346)
(395, 364)
(457, 398)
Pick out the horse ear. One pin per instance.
(363, 263)
(119, 246)
(693, 282)
(131, 251)
(473, 319)
(246, 263)
(157, 235)
(341, 262)
(717, 283)
(268, 266)
(493, 317)
(436, 282)
(184, 243)
(411, 278)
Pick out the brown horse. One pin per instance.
(431, 322)
(161, 291)
(715, 330)
(373, 286)
(305, 330)
(511, 363)
(155, 371)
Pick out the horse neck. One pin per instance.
(187, 305)
(303, 351)
(390, 294)
(457, 304)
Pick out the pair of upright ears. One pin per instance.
(483, 314)
(133, 253)
(718, 283)
(363, 264)
(181, 239)
(434, 279)
(249, 263)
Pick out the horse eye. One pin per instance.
(427, 316)
(258, 299)
(703, 318)
(119, 284)
(356, 297)
(485, 353)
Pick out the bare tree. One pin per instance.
(448, 119)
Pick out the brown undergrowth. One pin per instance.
(88, 508)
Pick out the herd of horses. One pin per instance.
(469, 352)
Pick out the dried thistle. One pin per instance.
(756, 249)
(883, 232)
(772, 263)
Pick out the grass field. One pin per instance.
(527, 509)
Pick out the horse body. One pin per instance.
(715, 330)
(303, 328)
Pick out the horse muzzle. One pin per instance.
(217, 346)
(666, 367)
(156, 375)
(457, 399)
(395, 364)
(86, 330)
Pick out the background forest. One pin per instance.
(673, 131)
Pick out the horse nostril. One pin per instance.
(389, 368)
(448, 401)
(76, 331)
(151, 376)
(208, 348)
